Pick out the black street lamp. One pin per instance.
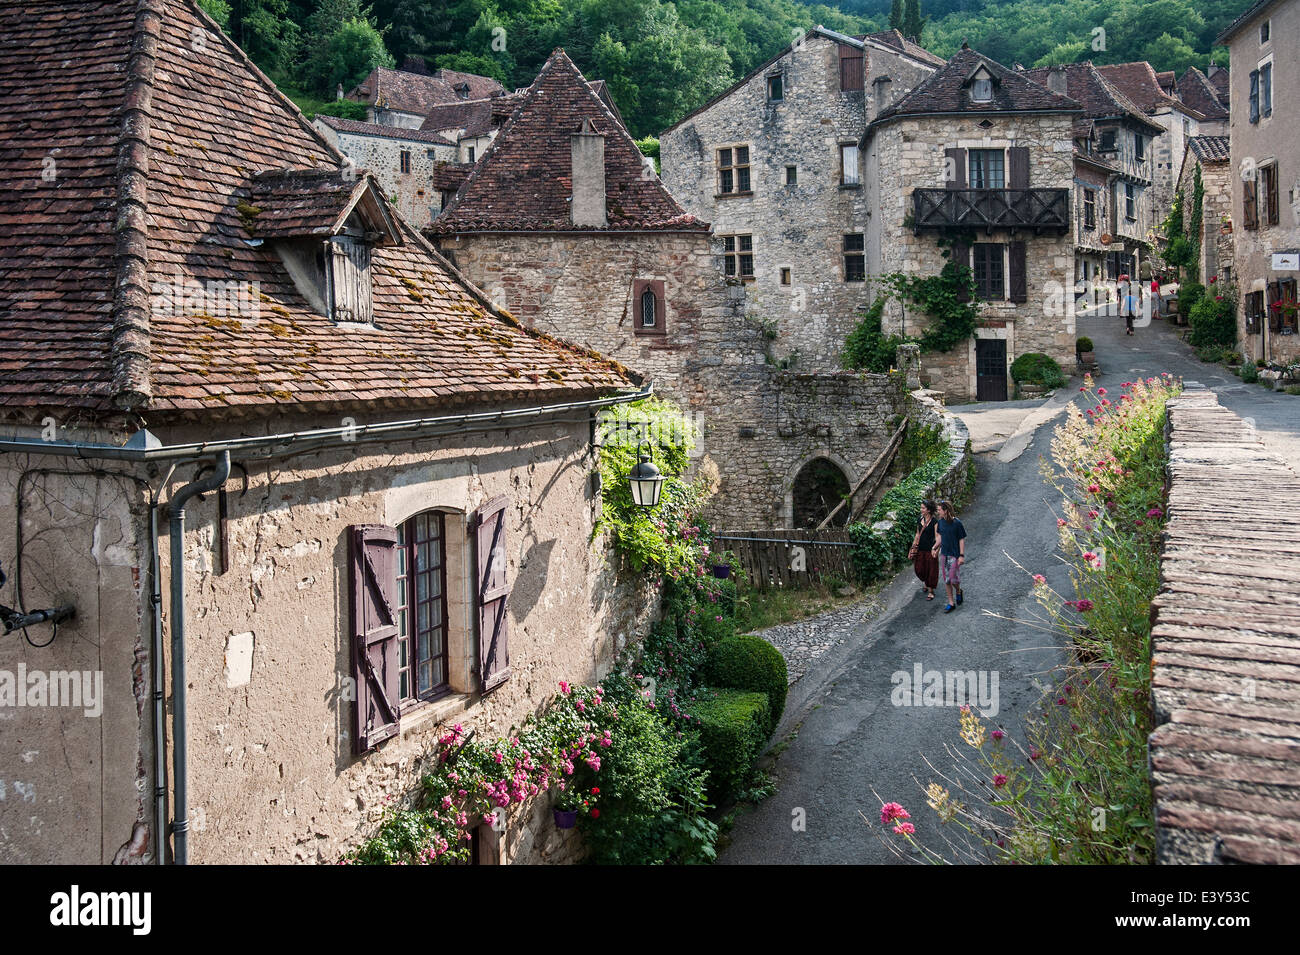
(646, 481)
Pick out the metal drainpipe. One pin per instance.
(181, 824)
(159, 697)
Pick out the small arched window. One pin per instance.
(649, 308)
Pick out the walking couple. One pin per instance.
(939, 548)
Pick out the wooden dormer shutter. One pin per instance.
(851, 68)
(372, 562)
(961, 255)
(350, 291)
(1250, 194)
(493, 591)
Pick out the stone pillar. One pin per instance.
(908, 360)
(587, 174)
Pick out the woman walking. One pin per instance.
(924, 562)
(950, 549)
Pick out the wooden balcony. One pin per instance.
(1037, 210)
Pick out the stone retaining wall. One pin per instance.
(1225, 754)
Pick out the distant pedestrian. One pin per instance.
(1127, 303)
(924, 562)
(950, 549)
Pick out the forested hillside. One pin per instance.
(661, 58)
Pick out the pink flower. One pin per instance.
(905, 829)
(564, 688)
(891, 811)
(1039, 579)
(1094, 488)
(1155, 512)
(997, 734)
(999, 780)
(1101, 391)
(1060, 522)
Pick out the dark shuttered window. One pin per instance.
(990, 280)
(1017, 272)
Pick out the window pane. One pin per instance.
(854, 242)
(729, 243)
(727, 184)
(724, 157)
(746, 243)
(648, 309)
(742, 179)
(746, 265)
(742, 155)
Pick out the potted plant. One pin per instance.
(1286, 309)
(1083, 348)
(572, 802)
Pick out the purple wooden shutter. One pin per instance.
(1019, 159)
(372, 559)
(961, 255)
(954, 161)
(493, 590)
(1018, 259)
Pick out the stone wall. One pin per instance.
(1224, 667)
(273, 777)
(908, 154)
(800, 227)
(412, 193)
(1216, 245)
(760, 424)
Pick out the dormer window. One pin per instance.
(462, 90)
(981, 91)
(1107, 144)
(324, 225)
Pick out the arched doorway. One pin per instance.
(818, 487)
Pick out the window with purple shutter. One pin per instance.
(372, 563)
(493, 591)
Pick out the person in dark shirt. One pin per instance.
(950, 549)
(924, 562)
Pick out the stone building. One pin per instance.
(1178, 110)
(1211, 155)
(404, 97)
(564, 223)
(232, 372)
(1114, 140)
(1265, 86)
(404, 161)
(978, 155)
(774, 164)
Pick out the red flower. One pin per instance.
(595, 814)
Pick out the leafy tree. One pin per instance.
(268, 35)
(896, 15)
(219, 10)
(913, 22)
(473, 63)
(1072, 52)
(342, 45)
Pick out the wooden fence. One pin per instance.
(790, 558)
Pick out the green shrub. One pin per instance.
(867, 348)
(1189, 293)
(1083, 344)
(1038, 369)
(1249, 374)
(1213, 321)
(751, 663)
(1210, 354)
(733, 726)
(1292, 389)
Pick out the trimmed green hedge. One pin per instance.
(748, 662)
(733, 726)
(1038, 369)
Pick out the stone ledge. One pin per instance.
(1225, 754)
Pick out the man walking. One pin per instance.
(950, 548)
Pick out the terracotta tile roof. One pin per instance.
(354, 127)
(1220, 78)
(522, 182)
(1211, 149)
(947, 91)
(1141, 84)
(896, 41)
(419, 92)
(1101, 98)
(1201, 95)
(449, 175)
(296, 203)
(156, 154)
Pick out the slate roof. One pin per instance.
(474, 117)
(1101, 99)
(1198, 92)
(523, 181)
(354, 127)
(149, 153)
(419, 92)
(946, 91)
(1211, 149)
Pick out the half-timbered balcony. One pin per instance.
(1039, 210)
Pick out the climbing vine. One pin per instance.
(1195, 228)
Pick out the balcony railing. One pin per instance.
(1042, 210)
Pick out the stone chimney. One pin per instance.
(587, 173)
(1058, 81)
(882, 95)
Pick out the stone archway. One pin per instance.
(818, 487)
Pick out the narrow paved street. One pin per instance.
(848, 737)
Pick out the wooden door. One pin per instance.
(990, 369)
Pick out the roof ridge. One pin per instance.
(130, 348)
